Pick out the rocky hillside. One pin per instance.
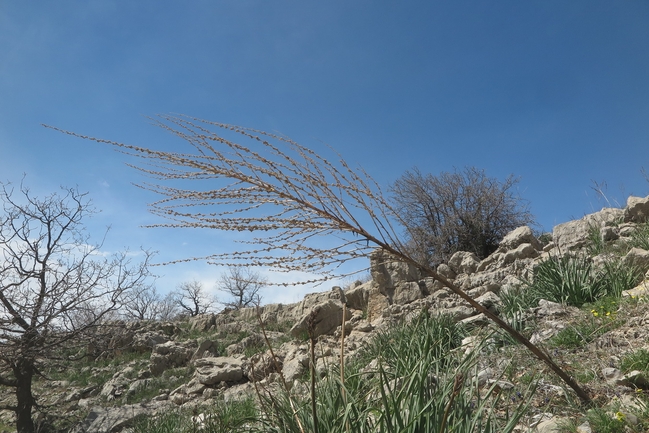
(145, 369)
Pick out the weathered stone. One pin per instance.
(608, 234)
(357, 297)
(463, 262)
(321, 319)
(113, 419)
(445, 271)
(387, 271)
(575, 234)
(169, 355)
(459, 313)
(261, 366)
(202, 322)
(637, 209)
(210, 371)
(517, 237)
(523, 251)
(611, 375)
(550, 309)
(208, 347)
(637, 258)
(490, 301)
(636, 379)
(145, 342)
(407, 292)
(641, 290)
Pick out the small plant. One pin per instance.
(640, 237)
(602, 421)
(517, 300)
(581, 333)
(221, 418)
(618, 277)
(638, 360)
(595, 244)
(605, 308)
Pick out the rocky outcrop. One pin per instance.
(170, 355)
(574, 234)
(114, 419)
(210, 371)
(637, 210)
(397, 291)
(320, 319)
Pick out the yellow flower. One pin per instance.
(608, 313)
(620, 416)
(595, 313)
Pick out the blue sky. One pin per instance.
(555, 92)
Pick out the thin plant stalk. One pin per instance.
(314, 409)
(279, 370)
(342, 361)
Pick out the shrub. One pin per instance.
(460, 211)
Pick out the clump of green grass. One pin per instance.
(581, 333)
(640, 237)
(420, 381)
(573, 280)
(637, 360)
(619, 277)
(595, 244)
(568, 280)
(235, 416)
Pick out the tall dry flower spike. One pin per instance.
(288, 197)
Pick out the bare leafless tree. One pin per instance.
(55, 286)
(459, 211)
(192, 298)
(167, 308)
(290, 195)
(242, 286)
(143, 303)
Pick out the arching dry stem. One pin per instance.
(288, 197)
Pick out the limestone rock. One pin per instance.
(574, 234)
(210, 371)
(387, 271)
(445, 271)
(170, 355)
(637, 258)
(358, 297)
(463, 262)
(523, 251)
(521, 235)
(407, 292)
(323, 317)
(112, 419)
(550, 309)
(202, 322)
(207, 347)
(637, 209)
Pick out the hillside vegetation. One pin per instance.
(414, 357)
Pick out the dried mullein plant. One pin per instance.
(289, 197)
